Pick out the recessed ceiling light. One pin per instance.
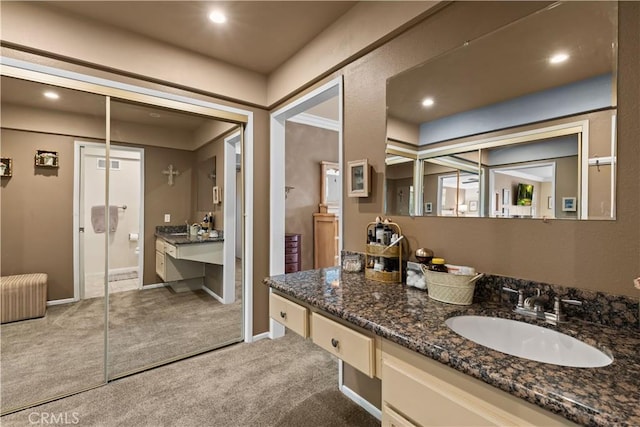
(558, 58)
(217, 17)
(428, 102)
(51, 95)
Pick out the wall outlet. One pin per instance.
(167, 217)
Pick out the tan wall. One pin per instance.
(306, 147)
(205, 154)
(568, 253)
(37, 211)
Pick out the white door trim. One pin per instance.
(277, 182)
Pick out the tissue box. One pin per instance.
(415, 276)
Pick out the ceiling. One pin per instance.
(511, 62)
(30, 94)
(258, 35)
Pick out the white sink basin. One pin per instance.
(528, 341)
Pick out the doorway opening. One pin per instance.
(126, 224)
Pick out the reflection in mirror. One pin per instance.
(399, 192)
(206, 181)
(190, 298)
(510, 87)
(451, 185)
(54, 350)
(330, 183)
(526, 180)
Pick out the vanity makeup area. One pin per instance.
(509, 137)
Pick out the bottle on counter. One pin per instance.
(437, 264)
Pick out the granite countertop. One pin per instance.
(179, 236)
(407, 316)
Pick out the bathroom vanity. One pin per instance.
(184, 259)
(432, 376)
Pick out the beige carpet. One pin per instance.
(64, 351)
(284, 382)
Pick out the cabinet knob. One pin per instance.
(335, 342)
(283, 314)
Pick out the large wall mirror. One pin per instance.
(108, 312)
(519, 123)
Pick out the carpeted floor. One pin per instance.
(64, 351)
(284, 382)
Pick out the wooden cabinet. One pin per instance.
(292, 252)
(288, 313)
(420, 391)
(325, 240)
(170, 269)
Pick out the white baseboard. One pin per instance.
(261, 336)
(361, 401)
(60, 301)
(154, 286)
(213, 294)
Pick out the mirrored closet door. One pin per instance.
(123, 221)
(58, 348)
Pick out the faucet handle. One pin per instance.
(557, 307)
(520, 293)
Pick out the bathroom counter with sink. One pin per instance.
(182, 238)
(407, 316)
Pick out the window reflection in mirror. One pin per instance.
(502, 89)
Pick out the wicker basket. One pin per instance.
(391, 251)
(382, 276)
(450, 288)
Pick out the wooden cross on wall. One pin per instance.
(171, 173)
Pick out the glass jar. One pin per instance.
(437, 264)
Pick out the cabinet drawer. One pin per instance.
(291, 237)
(291, 250)
(170, 249)
(291, 268)
(290, 258)
(352, 347)
(289, 314)
(160, 245)
(291, 245)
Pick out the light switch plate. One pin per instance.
(167, 217)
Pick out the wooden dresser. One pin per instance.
(325, 240)
(292, 252)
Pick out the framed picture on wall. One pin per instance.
(358, 178)
(6, 167)
(568, 204)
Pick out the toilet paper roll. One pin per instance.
(133, 237)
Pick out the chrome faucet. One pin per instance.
(533, 306)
